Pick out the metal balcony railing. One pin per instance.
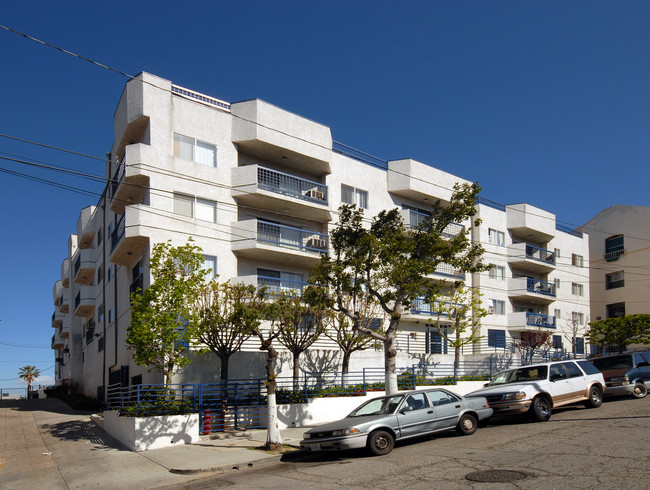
(287, 236)
(119, 175)
(540, 320)
(540, 287)
(276, 285)
(422, 307)
(290, 185)
(540, 254)
(118, 233)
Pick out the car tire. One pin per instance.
(595, 397)
(541, 409)
(640, 390)
(467, 425)
(380, 442)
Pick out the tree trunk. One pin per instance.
(296, 371)
(456, 362)
(273, 436)
(390, 355)
(345, 367)
(224, 368)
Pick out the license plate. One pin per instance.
(314, 447)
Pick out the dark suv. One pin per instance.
(625, 374)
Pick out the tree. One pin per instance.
(228, 315)
(300, 324)
(394, 263)
(462, 312)
(620, 331)
(163, 315)
(532, 341)
(576, 329)
(29, 374)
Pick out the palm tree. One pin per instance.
(29, 374)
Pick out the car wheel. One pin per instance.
(380, 442)
(541, 409)
(467, 424)
(640, 390)
(595, 397)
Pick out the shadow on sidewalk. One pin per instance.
(53, 405)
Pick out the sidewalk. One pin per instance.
(45, 444)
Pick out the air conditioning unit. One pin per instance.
(315, 194)
(317, 243)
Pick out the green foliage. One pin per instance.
(163, 315)
(29, 374)
(620, 331)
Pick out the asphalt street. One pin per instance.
(606, 447)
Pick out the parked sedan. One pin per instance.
(379, 422)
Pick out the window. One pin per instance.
(497, 237)
(351, 195)
(497, 272)
(110, 273)
(497, 338)
(557, 341)
(558, 315)
(557, 283)
(100, 274)
(100, 344)
(572, 369)
(577, 318)
(110, 315)
(496, 307)
(210, 263)
(580, 345)
(614, 280)
(100, 314)
(194, 207)
(194, 150)
(577, 289)
(615, 310)
(435, 342)
(556, 251)
(577, 260)
(614, 247)
(99, 238)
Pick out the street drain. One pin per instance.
(496, 476)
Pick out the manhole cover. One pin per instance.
(496, 476)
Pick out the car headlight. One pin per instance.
(345, 432)
(517, 395)
(623, 380)
(306, 435)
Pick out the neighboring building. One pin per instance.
(258, 189)
(619, 247)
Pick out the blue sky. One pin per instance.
(540, 102)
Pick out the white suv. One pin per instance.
(538, 388)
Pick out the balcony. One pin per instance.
(532, 223)
(64, 301)
(84, 266)
(57, 342)
(130, 184)
(263, 240)
(127, 245)
(531, 258)
(64, 331)
(448, 273)
(531, 290)
(263, 188)
(84, 232)
(57, 318)
(84, 302)
(413, 219)
(57, 290)
(275, 285)
(65, 273)
(273, 134)
(422, 310)
(524, 320)
(420, 182)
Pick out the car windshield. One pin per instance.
(378, 406)
(617, 362)
(524, 374)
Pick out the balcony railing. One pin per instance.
(278, 285)
(118, 233)
(287, 236)
(448, 270)
(540, 287)
(540, 320)
(415, 219)
(119, 175)
(422, 307)
(290, 185)
(539, 254)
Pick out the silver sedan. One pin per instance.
(379, 422)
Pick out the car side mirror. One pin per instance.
(486, 385)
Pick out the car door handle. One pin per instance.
(457, 406)
(430, 412)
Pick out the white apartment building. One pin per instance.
(258, 189)
(619, 247)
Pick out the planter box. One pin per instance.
(144, 433)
